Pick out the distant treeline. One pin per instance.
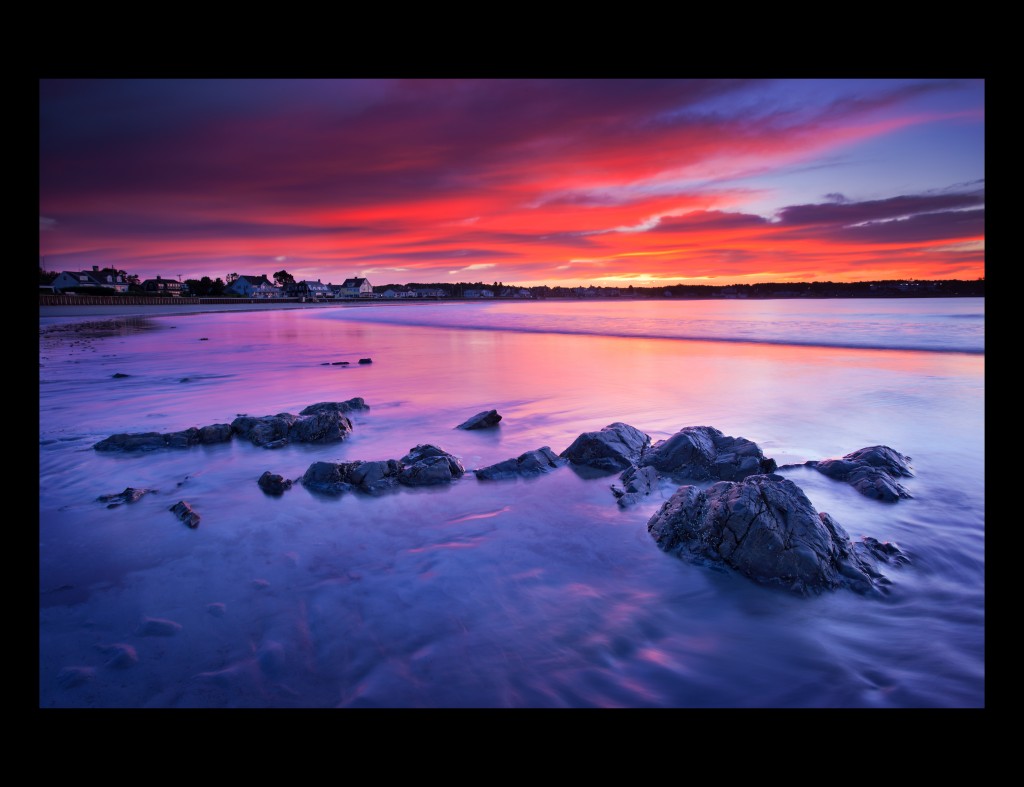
(890, 288)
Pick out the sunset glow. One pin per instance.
(527, 182)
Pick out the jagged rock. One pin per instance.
(637, 483)
(871, 471)
(322, 426)
(215, 433)
(273, 484)
(702, 453)
(129, 495)
(139, 441)
(120, 374)
(335, 478)
(184, 512)
(765, 528)
(376, 476)
(481, 420)
(150, 441)
(617, 446)
(531, 463)
(355, 403)
(427, 465)
(366, 360)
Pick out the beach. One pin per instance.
(523, 593)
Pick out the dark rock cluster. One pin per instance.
(765, 528)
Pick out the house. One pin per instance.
(309, 289)
(160, 286)
(356, 288)
(254, 287)
(478, 294)
(399, 291)
(430, 292)
(107, 277)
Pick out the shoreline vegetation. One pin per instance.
(98, 305)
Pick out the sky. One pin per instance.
(526, 182)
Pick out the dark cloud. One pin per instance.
(847, 213)
(709, 220)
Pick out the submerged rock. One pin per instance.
(129, 495)
(872, 471)
(616, 447)
(765, 528)
(637, 483)
(184, 512)
(120, 655)
(355, 403)
(481, 420)
(273, 484)
(151, 441)
(702, 453)
(532, 463)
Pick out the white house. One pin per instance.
(399, 291)
(108, 277)
(254, 287)
(356, 288)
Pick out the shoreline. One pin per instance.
(184, 306)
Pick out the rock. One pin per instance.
(215, 433)
(616, 447)
(70, 677)
(141, 441)
(481, 420)
(119, 655)
(151, 441)
(871, 471)
(427, 465)
(365, 360)
(339, 363)
(157, 627)
(532, 463)
(120, 374)
(265, 429)
(322, 426)
(702, 453)
(129, 495)
(273, 484)
(327, 477)
(765, 528)
(355, 403)
(637, 483)
(374, 477)
(217, 609)
(184, 512)
(183, 439)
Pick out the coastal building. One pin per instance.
(159, 286)
(478, 294)
(430, 292)
(97, 277)
(309, 289)
(357, 288)
(398, 291)
(254, 287)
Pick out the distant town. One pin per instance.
(114, 282)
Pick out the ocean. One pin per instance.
(523, 593)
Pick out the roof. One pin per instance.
(354, 282)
